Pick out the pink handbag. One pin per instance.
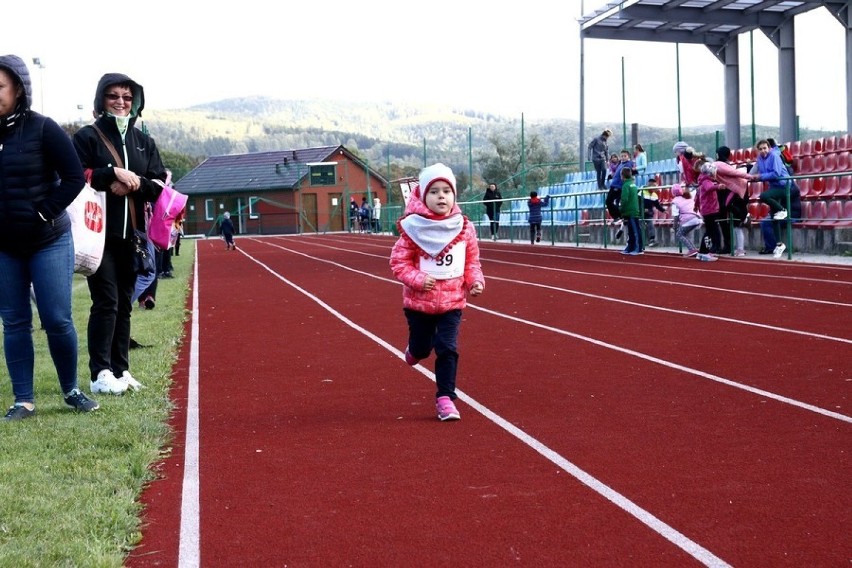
(168, 207)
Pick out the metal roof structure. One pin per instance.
(257, 172)
(718, 24)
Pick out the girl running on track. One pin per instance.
(437, 260)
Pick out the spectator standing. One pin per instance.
(437, 260)
(686, 218)
(629, 211)
(598, 151)
(40, 175)
(651, 202)
(128, 181)
(613, 195)
(377, 215)
(640, 161)
(708, 206)
(366, 216)
(736, 201)
(493, 202)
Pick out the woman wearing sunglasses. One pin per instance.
(124, 168)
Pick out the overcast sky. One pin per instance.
(504, 57)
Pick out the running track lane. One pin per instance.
(545, 507)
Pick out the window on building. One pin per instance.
(253, 207)
(209, 209)
(323, 174)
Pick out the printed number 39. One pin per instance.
(445, 260)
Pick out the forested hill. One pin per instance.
(383, 132)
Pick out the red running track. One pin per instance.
(642, 411)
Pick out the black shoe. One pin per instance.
(765, 251)
(19, 412)
(78, 401)
(149, 303)
(619, 233)
(136, 345)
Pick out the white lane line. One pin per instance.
(673, 311)
(632, 353)
(645, 281)
(189, 554)
(692, 548)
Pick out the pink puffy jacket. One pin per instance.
(448, 294)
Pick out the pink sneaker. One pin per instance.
(446, 409)
(409, 358)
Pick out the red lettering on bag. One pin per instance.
(94, 217)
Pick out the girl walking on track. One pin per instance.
(437, 260)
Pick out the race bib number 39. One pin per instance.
(451, 265)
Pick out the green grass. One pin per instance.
(70, 482)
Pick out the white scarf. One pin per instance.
(432, 235)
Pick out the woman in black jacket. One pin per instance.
(123, 162)
(40, 176)
(493, 202)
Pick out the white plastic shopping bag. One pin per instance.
(88, 229)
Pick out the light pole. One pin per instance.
(37, 62)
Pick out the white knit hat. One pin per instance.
(708, 169)
(680, 147)
(433, 173)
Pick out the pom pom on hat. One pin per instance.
(708, 169)
(680, 147)
(677, 190)
(434, 173)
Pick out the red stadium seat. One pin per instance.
(750, 154)
(817, 186)
(804, 187)
(665, 195)
(795, 148)
(818, 164)
(844, 162)
(828, 144)
(846, 216)
(758, 210)
(844, 187)
(806, 209)
(737, 156)
(806, 166)
(830, 189)
(807, 148)
(830, 163)
(833, 213)
(584, 217)
(817, 148)
(844, 143)
(816, 215)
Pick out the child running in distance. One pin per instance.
(686, 218)
(437, 260)
(535, 203)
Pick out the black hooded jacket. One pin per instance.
(137, 151)
(40, 174)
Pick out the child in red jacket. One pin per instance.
(437, 260)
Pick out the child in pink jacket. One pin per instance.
(437, 260)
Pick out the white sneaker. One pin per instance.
(779, 250)
(128, 379)
(107, 383)
(780, 215)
